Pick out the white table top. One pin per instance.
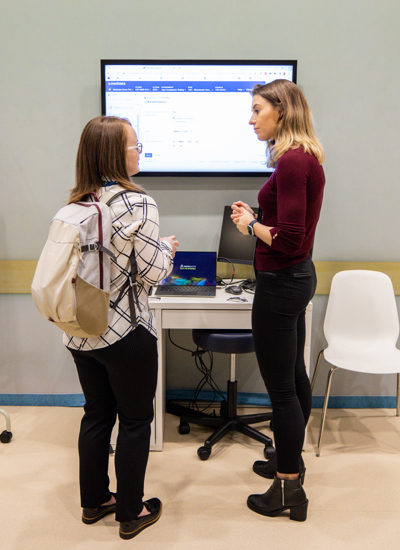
(222, 300)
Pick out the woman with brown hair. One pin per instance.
(118, 369)
(290, 202)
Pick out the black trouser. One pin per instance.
(118, 379)
(278, 320)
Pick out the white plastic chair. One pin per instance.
(361, 327)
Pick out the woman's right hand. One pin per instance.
(172, 240)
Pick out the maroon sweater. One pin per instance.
(291, 202)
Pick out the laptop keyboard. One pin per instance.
(187, 290)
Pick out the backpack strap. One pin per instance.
(131, 280)
(132, 292)
(92, 247)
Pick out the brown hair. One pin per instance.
(102, 156)
(295, 127)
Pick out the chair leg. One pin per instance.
(323, 417)
(254, 434)
(398, 396)
(316, 370)
(7, 417)
(218, 434)
(6, 435)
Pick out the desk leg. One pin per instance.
(159, 402)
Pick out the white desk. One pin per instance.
(189, 313)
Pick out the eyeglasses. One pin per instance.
(139, 147)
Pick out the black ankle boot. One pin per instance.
(267, 468)
(284, 494)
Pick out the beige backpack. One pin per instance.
(71, 285)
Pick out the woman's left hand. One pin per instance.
(242, 220)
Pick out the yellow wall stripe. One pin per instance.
(326, 271)
(16, 275)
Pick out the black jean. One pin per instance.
(118, 379)
(278, 321)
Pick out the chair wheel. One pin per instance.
(268, 452)
(203, 453)
(5, 437)
(184, 428)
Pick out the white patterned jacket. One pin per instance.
(135, 224)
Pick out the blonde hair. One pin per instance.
(295, 127)
(102, 156)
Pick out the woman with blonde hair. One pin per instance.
(290, 202)
(118, 369)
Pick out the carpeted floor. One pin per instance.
(353, 488)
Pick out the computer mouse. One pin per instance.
(234, 289)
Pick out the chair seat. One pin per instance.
(224, 341)
(369, 360)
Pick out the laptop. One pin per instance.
(193, 274)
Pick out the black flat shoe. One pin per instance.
(267, 468)
(91, 515)
(129, 529)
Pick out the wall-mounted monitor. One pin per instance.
(191, 116)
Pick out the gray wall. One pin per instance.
(348, 66)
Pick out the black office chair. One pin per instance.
(232, 342)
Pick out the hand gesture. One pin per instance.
(172, 240)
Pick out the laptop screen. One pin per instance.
(193, 269)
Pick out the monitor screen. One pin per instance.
(234, 246)
(191, 116)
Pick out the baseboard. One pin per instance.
(262, 399)
(250, 399)
(356, 402)
(42, 400)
